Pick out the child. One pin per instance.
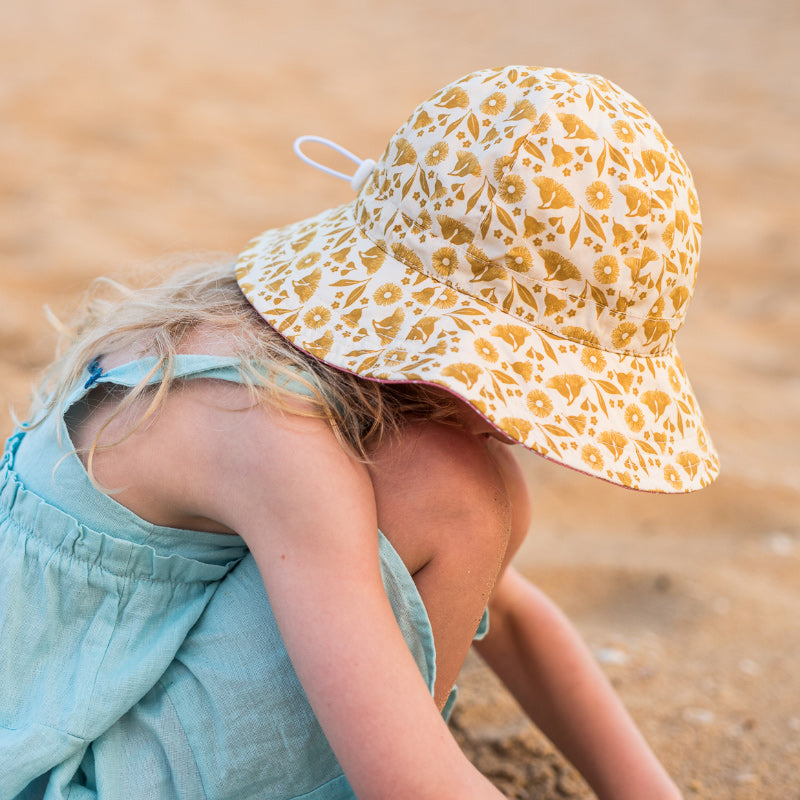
(246, 560)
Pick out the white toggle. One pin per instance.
(361, 174)
(356, 180)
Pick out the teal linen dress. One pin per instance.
(144, 662)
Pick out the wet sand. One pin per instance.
(132, 129)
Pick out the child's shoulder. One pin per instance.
(161, 456)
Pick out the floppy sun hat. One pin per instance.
(529, 241)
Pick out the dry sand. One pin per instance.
(131, 128)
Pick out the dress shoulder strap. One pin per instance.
(184, 366)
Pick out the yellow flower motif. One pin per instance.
(307, 285)
(436, 154)
(447, 299)
(674, 381)
(454, 97)
(672, 478)
(614, 441)
(625, 479)
(444, 261)
(316, 317)
(423, 329)
(569, 386)
(501, 165)
(606, 269)
(654, 162)
(657, 401)
(407, 256)
(593, 359)
(424, 296)
(561, 156)
(515, 335)
(680, 296)
(634, 418)
(480, 405)
(523, 368)
(575, 127)
(406, 154)
(592, 457)
(467, 373)
(511, 188)
(515, 427)
(667, 195)
(539, 403)
(668, 236)
(395, 356)
(638, 202)
(553, 194)
(372, 259)
(494, 103)
(454, 230)
(553, 304)
(523, 109)
(599, 195)
(320, 347)
(486, 350)
(518, 259)
(304, 240)
(656, 311)
(388, 328)
(624, 131)
(387, 294)
(423, 120)
(622, 334)
(308, 260)
(690, 462)
(621, 234)
(353, 318)
(466, 164)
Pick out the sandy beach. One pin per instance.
(129, 130)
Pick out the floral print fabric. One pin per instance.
(528, 240)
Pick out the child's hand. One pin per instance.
(536, 652)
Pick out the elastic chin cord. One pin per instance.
(364, 167)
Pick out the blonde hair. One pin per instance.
(203, 294)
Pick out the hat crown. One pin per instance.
(550, 195)
(528, 241)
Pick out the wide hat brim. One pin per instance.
(339, 296)
(529, 240)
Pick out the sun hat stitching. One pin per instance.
(665, 464)
(613, 313)
(621, 315)
(632, 291)
(552, 102)
(544, 445)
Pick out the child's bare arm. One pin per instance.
(540, 657)
(307, 512)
